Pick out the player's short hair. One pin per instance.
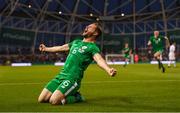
(155, 31)
(98, 29)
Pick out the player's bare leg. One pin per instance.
(174, 63)
(157, 55)
(169, 63)
(57, 98)
(126, 61)
(44, 96)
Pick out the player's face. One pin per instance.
(156, 34)
(126, 45)
(89, 30)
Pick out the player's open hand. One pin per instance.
(112, 72)
(42, 47)
(166, 37)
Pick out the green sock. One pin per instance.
(125, 64)
(70, 99)
(74, 98)
(159, 63)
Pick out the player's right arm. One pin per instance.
(149, 43)
(167, 41)
(64, 47)
(102, 63)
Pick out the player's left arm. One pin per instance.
(130, 51)
(102, 63)
(149, 43)
(167, 41)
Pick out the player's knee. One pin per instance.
(54, 101)
(44, 96)
(56, 98)
(41, 99)
(157, 57)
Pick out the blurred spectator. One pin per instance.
(24, 54)
(136, 58)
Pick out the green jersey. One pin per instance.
(80, 56)
(157, 43)
(126, 52)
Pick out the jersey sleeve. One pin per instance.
(151, 39)
(162, 37)
(73, 42)
(95, 50)
(70, 44)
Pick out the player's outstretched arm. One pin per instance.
(64, 47)
(167, 41)
(102, 63)
(149, 43)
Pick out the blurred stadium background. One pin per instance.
(24, 24)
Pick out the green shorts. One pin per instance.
(66, 86)
(126, 56)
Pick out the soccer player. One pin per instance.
(64, 87)
(126, 53)
(157, 45)
(172, 58)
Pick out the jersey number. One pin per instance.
(65, 84)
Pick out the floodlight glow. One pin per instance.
(97, 19)
(60, 12)
(91, 14)
(122, 14)
(29, 6)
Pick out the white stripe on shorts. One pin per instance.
(73, 87)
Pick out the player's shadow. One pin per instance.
(125, 103)
(110, 101)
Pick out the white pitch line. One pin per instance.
(18, 84)
(92, 82)
(130, 81)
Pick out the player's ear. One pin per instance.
(95, 33)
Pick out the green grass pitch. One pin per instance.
(138, 87)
